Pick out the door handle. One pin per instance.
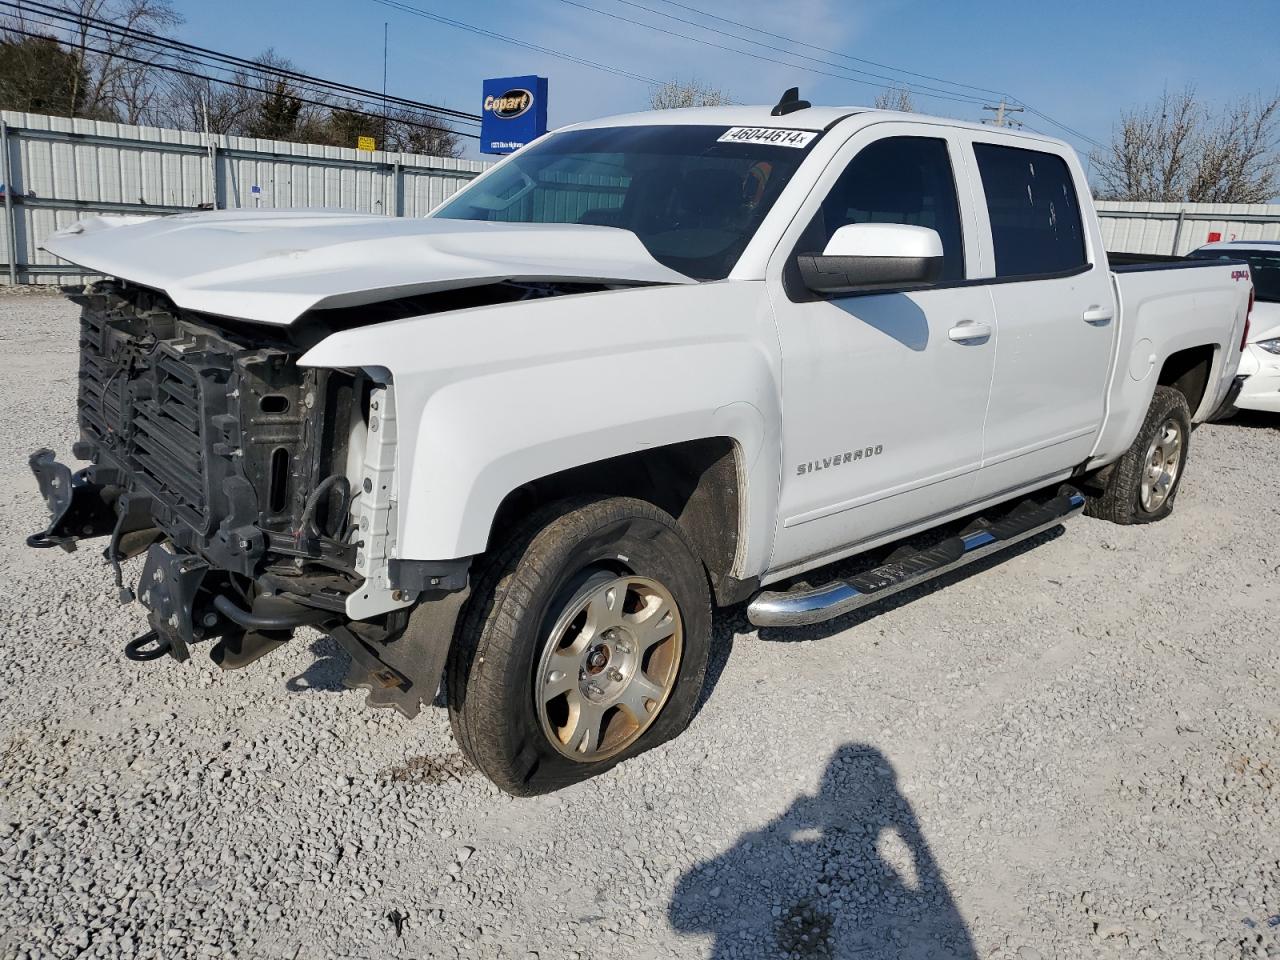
(967, 330)
(1098, 315)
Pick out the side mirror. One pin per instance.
(874, 256)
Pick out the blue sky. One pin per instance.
(1080, 62)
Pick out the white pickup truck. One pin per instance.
(645, 366)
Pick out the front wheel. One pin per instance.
(1144, 482)
(585, 643)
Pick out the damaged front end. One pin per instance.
(263, 494)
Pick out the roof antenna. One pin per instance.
(790, 103)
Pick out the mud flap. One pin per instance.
(406, 671)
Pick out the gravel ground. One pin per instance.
(1071, 753)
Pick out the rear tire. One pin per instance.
(1143, 483)
(585, 643)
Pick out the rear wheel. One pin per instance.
(1144, 482)
(585, 643)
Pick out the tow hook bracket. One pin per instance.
(168, 589)
(77, 507)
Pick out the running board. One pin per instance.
(796, 608)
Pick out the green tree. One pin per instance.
(39, 75)
(276, 116)
(413, 131)
(344, 126)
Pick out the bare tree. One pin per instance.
(416, 131)
(122, 70)
(686, 93)
(198, 103)
(1180, 149)
(1238, 161)
(895, 98)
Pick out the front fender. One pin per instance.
(491, 398)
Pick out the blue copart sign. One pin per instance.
(513, 112)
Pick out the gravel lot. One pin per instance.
(1071, 753)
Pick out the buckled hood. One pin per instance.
(272, 266)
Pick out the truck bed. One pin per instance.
(1164, 307)
(1138, 262)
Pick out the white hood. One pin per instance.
(273, 265)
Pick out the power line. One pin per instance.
(205, 54)
(169, 68)
(494, 35)
(941, 95)
(224, 60)
(630, 74)
(811, 46)
(923, 91)
(1062, 126)
(892, 80)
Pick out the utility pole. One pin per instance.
(384, 85)
(1002, 112)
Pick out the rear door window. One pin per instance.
(1036, 227)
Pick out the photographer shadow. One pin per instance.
(841, 874)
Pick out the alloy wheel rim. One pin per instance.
(608, 666)
(1161, 467)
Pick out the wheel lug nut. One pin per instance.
(616, 675)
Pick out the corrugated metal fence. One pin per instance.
(55, 170)
(1179, 228)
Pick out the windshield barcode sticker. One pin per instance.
(771, 135)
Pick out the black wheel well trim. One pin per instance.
(701, 482)
(1188, 371)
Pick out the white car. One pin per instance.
(645, 366)
(1260, 361)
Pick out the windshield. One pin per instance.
(1264, 265)
(694, 195)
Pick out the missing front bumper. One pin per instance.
(398, 657)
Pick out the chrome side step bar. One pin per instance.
(796, 608)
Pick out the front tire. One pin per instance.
(585, 643)
(1144, 482)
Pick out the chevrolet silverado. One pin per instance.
(645, 366)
